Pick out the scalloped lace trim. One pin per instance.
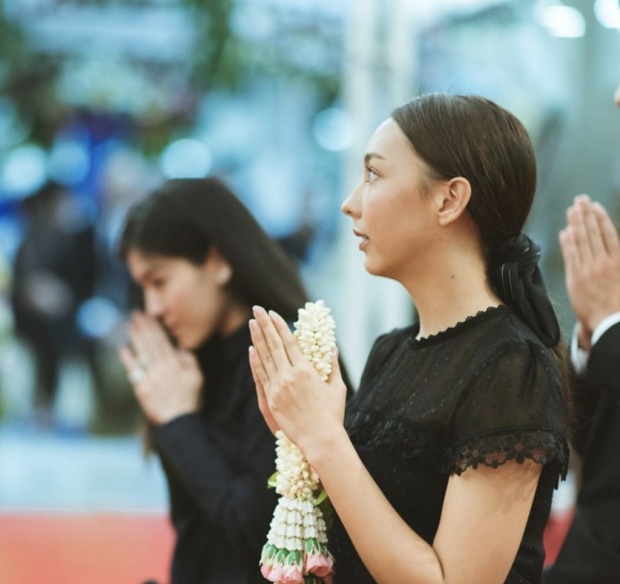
(457, 327)
(541, 445)
(412, 440)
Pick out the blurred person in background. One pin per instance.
(442, 467)
(202, 262)
(591, 252)
(53, 273)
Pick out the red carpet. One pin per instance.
(113, 548)
(555, 533)
(84, 549)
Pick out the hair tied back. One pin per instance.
(519, 282)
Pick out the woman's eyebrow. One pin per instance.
(371, 155)
(147, 274)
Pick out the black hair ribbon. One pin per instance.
(520, 284)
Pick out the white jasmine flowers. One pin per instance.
(315, 334)
(296, 549)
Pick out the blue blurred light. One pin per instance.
(69, 163)
(563, 21)
(24, 171)
(608, 13)
(332, 129)
(98, 317)
(186, 159)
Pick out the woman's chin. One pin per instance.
(189, 342)
(186, 344)
(372, 267)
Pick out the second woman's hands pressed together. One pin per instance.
(166, 380)
(291, 394)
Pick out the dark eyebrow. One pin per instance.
(370, 155)
(147, 274)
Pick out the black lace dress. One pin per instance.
(481, 393)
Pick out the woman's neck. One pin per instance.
(236, 316)
(449, 289)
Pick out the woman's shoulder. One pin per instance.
(386, 343)
(393, 338)
(508, 335)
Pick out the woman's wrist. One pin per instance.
(323, 450)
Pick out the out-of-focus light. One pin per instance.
(24, 170)
(97, 317)
(185, 159)
(563, 21)
(332, 129)
(608, 13)
(68, 163)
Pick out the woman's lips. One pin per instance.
(364, 241)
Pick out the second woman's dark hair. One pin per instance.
(184, 217)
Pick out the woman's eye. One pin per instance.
(371, 175)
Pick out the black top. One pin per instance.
(217, 463)
(591, 551)
(481, 393)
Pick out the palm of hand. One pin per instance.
(170, 380)
(172, 388)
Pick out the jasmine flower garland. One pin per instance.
(296, 549)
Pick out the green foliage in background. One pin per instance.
(220, 60)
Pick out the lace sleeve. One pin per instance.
(514, 410)
(493, 450)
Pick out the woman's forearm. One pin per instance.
(389, 548)
(483, 504)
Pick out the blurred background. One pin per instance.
(101, 100)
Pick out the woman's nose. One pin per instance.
(152, 304)
(348, 206)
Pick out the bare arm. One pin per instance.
(490, 505)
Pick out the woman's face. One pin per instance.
(188, 299)
(391, 214)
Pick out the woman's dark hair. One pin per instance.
(473, 137)
(184, 217)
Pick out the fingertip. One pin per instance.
(275, 317)
(572, 212)
(335, 356)
(258, 310)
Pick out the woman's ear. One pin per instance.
(453, 200)
(219, 266)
